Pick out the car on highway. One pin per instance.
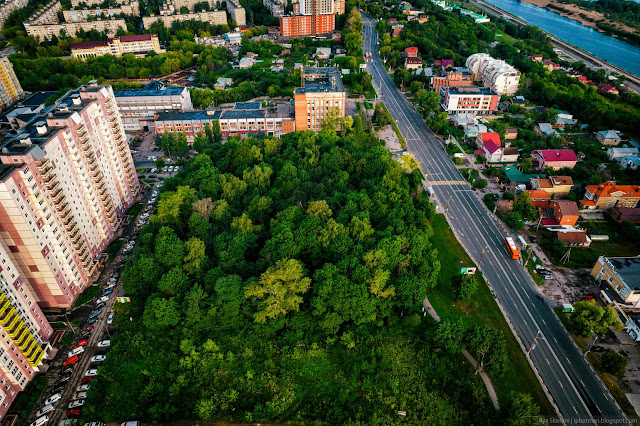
(104, 343)
(86, 380)
(73, 413)
(53, 399)
(71, 360)
(44, 410)
(40, 421)
(80, 395)
(98, 358)
(80, 343)
(110, 318)
(77, 403)
(83, 388)
(91, 373)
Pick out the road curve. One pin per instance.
(576, 391)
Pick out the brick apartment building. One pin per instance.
(322, 93)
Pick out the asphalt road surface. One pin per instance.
(574, 387)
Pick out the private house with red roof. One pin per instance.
(608, 195)
(557, 186)
(607, 88)
(396, 31)
(539, 198)
(491, 148)
(488, 136)
(574, 238)
(411, 52)
(554, 158)
(560, 213)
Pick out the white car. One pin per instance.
(104, 343)
(44, 410)
(103, 299)
(80, 395)
(40, 421)
(77, 403)
(83, 388)
(98, 358)
(110, 318)
(53, 399)
(91, 373)
(153, 170)
(67, 422)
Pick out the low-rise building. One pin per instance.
(411, 52)
(471, 99)
(450, 79)
(546, 130)
(607, 88)
(625, 214)
(412, 63)
(511, 134)
(139, 45)
(539, 198)
(617, 154)
(322, 96)
(137, 107)
(554, 158)
(622, 275)
(608, 137)
(610, 195)
(557, 186)
(573, 238)
(631, 162)
(565, 212)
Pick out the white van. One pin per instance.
(40, 421)
(44, 410)
(76, 351)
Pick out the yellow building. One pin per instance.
(139, 45)
(10, 89)
(622, 274)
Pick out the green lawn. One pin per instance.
(607, 379)
(134, 210)
(114, 248)
(26, 401)
(483, 309)
(87, 295)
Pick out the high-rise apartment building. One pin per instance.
(321, 96)
(10, 89)
(316, 7)
(67, 179)
(312, 17)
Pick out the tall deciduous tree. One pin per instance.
(588, 318)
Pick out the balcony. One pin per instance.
(47, 175)
(8, 315)
(64, 209)
(34, 360)
(52, 185)
(71, 227)
(46, 164)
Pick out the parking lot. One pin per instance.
(74, 367)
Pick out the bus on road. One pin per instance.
(511, 248)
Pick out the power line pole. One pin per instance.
(533, 343)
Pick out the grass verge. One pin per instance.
(134, 210)
(26, 401)
(483, 309)
(87, 295)
(403, 143)
(609, 381)
(114, 248)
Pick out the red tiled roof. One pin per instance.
(88, 44)
(411, 50)
(551, 155)
(538, 194)
(604, 190)
(578, 237)
(447, 63)
(510, 131)
(587, 203)
(628, 213)
(491, 136)
(490, 146)
(566, 207)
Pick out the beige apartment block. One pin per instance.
(83, 15)
(322, 96)
(71, 180)
(46, 31)
(8, 6)
(218, 17)
(139, 45)
(10, 89)
(236, 12)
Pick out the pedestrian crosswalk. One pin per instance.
(447, 182)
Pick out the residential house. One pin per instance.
(626, 214)
(631, 162)
(423, 18)
(515, 177)
(546, 130)
(484, 137)
(554, 158)
(539, 198)
(511, 134)
(617, 154)
(222, 83)
(473, 130)
(565, 212)
(323, 53)
(622, 274)
(469, 99)
(498, 154)
(411, 52)
(609, 195)
(397, 30)
(536, 57)
(574, 238)
(556, 186)
(246, 62)
(463, 119)
(607, 88)
(412, 63)
(563, 120)
(608, 137)
(451, 79)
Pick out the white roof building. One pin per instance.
(503, 78)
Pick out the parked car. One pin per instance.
(86, 380)
(73, 413)
(590, 297)
(107, 292)
(92, 320)
(64, 379)
(582, 273)
(80, 395)
(95, 313)
(67, 422)
(98, 358)
(104, 343)
(91, 373)
(110, 318)
(94, 424)
(40, 421)
(53, 399)
(597, 349)
(71, 360)
(83, 388)
(533, 239)
(103, 299)
(68, 370)
(44, 410)
(87, 328)
(77, 403)
(130, 423)
(80, 343)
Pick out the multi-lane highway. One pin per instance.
(575, 389)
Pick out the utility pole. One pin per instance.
(590, 346)
(533, 343)
(446, 210)
(69, 323)
(566, 256)
(482, 256)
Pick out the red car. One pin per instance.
(73, 413)
(71, 360)
(86, 380)
(87, 328)
(590, 298)
(82, 342)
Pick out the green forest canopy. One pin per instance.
(282, 281)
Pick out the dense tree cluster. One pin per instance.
(282, 281)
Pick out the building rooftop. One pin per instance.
(36, 99)
(247, 105)
(6, 170)
(88, 44)
(236, 114)
(609, 134)
(187, 115)
(318, 79)
(169, 91)
(607, 189)
(567, 207)
(132, 38)
(557, 154)
(629, 269)
(516, 176)
(470, 90)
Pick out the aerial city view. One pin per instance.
(320, 212)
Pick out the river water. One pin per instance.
(617, 52)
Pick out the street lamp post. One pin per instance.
(482, 256)
(591, 345)
(69, 323)
(533, 343)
